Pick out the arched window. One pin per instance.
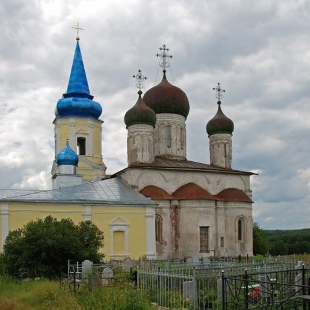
(81, 146)
(159, 228)
(182, 138)
(168, 136)
(241, 229)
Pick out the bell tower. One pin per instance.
(77, 120)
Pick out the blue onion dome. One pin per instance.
(140, 113)
(67, 157)
(77, 101)
(167, 98)
(220, 123)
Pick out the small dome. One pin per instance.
(67, 157)
(140, 113)
(167, 98)
(220, 123)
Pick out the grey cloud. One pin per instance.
(259, 53)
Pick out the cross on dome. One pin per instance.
(164, 56)
(140, 78)
(219, 91)
(77, 28)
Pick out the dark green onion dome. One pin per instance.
(167, 98)
(220, 123)
(140, 113)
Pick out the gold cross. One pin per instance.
(77, 28)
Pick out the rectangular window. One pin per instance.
(204, 239)
(81, 146)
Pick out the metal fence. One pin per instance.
(275, 285)
(277, 289)
(89, 275)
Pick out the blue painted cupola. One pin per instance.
(67, 157)
(77, 101)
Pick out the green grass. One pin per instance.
(47, 295)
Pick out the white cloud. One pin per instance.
(259, 52)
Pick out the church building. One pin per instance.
(162, 206)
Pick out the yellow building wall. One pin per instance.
(131, 218)
(20, 214)
(105, 217)
(81, 125)
(91, 129)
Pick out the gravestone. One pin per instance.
(298, 277)
(87, 268)
(127, 264)
(264, 288)
(190, 292)
(107, 276)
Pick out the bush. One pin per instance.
(43, 247)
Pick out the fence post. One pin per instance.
(303, 279)
(74, 281)
(223, 292)
(195, 288)
(246, 284)
(304, 290)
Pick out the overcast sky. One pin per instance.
(258, 50)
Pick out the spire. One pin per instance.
(77, 101)
(78, 80)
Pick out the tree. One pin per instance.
(260, 243)
(279, 247)
(44, 246)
